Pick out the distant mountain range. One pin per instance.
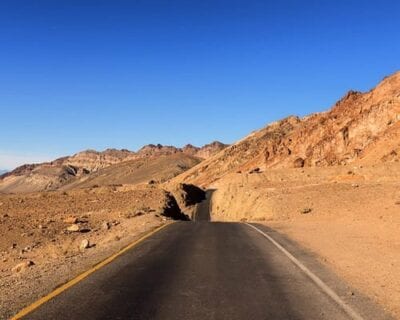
(152, 162)
(3, 171)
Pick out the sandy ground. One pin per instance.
(366, 256)
(34, 228)
(349, 216)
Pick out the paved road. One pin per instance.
(196, 270)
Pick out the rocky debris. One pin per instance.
(306, 210)
(56, 253)
(105, 225)
(255, 170)
(351, 293)
(27, 234)
(134, 214)
(73, 228)
(22, 266)
(26, 249)
(298, 163)
(85, 244)
(138, 213)
(71, 220)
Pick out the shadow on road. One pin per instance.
(203, 209)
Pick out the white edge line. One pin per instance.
(353, 314)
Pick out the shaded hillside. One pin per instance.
(40, 178)
(361, 127)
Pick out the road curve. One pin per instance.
(196, 270)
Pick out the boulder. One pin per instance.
(84, 244)
(73, 228)
(298, 163)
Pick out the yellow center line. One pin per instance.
(82, 276)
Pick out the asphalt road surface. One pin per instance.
(200, 270)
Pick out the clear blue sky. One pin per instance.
(81, 74)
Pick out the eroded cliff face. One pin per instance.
(361, 127)
(91, 160)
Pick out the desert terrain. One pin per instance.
(49, 238)
(329, 181)
(348, 216)
(54, 228)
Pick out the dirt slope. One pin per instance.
(361, 127)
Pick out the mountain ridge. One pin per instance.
(71, 169)
(360, 127)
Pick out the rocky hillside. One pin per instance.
(91, 160)
(210, 150)
(360, 127)
(87, 165)
(203, 152)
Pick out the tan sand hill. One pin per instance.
(81, 166)
(361, 127)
